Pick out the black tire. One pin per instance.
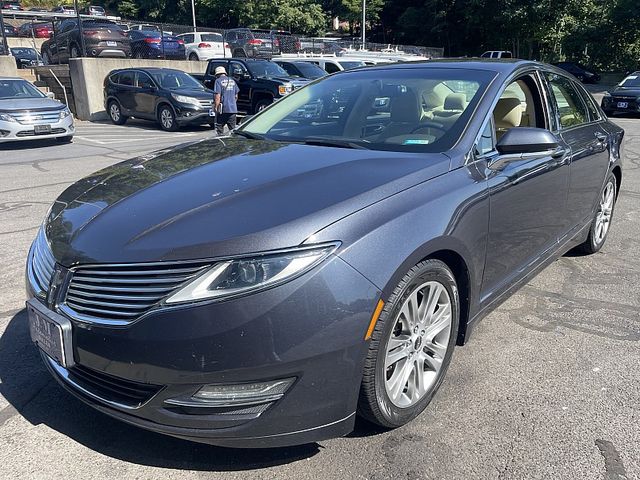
(374, 403)
(194, 57)
(138, 55)
(262, 104)
(239, 53)
(67, 139)
(115, 113)
(74, 51)
(594, 242)
(165, 113)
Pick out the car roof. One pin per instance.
(498, 65)
(148, 70)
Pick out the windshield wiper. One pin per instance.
(333, 142)
(245, 134)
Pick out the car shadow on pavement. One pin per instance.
(36, 396)
(148, 125)
(29, 144)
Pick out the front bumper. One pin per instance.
(187, 114)
(311, 329)
(13, 131)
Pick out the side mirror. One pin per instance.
(524, 140)
(51, 95)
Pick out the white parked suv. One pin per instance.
(204, 45)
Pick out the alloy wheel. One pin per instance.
(166, 118)
(418, 344)
(114, 111)
(605, 210)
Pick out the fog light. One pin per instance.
(243, 393)
(235, 395)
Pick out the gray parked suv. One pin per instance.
(245, 42)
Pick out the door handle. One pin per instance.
(600, 136)
(559, 152)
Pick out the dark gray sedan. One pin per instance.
(324, 260)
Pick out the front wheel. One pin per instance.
(411, 346)
(262, 104)
(602, 218)
(167, 119)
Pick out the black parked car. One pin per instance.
(245, 42)
(26, 57)
(10, 30)
(150, 44)
(624, 97)
(582, 73)
(301, 69)
(261, 82)
(325, 259)
(170, 97)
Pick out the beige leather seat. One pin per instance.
(431, 103)
(406, 113)
(507, 114)
(454, 105)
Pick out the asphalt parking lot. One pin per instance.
(548, 386)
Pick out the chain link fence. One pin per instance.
(59, 37)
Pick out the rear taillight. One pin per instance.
(151, 40)
(180, 41)
(90, 33)
(276, 42)
(255, 41)
(226, 45)
(204, 45)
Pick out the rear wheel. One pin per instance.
(193, 57)
(75, 52)
(411, 346)
(239, 52)
(115, 113)
(602, 218)
(167, 119)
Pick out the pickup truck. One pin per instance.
(261, 82)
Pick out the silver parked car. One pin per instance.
(27, 113)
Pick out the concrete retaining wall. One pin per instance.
(25, 42)
(88, 74)
(8, 66)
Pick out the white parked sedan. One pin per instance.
(27, 113)
(205, 45)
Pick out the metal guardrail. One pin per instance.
(64, 90)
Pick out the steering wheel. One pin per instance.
(429, 124)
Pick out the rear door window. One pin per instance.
(214, 65)
(569, 106)
(331, 68)
(144, 80)
(126, 79)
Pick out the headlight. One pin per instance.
(185, 99)
(5, 117)
(284, 89)
(64, 113)
(243, 275)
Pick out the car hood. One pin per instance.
(223, 197)
(193, 92)
(14, 104)
(626, 91)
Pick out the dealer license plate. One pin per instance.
(42, 129)
(112, 44)
(212, 112)
(51, 333)
(623, 104)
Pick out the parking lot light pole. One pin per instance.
(5, 45)
(193, 14)
(364, 19)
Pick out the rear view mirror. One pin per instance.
(526, 140)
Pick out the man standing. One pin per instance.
(225, 96)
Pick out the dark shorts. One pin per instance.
(223, 119)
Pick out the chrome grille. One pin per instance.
(206, 103)
(32, 133)
(26, 117)
(122, 293)
(41, 265)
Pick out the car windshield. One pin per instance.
(10, 89)
(400, 109)
(175, 79)
(211, 37)
(352, 64)
(25, 53)
(631, 80)
(266, 69)
(310, 70)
